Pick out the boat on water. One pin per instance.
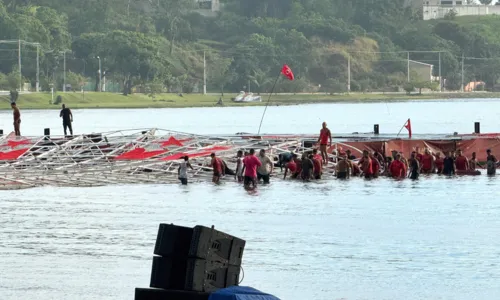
(247, 97)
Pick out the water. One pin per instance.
(435, 238)
(427, 117)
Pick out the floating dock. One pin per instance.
(152, 156)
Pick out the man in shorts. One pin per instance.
(324, 136)
(251, 163)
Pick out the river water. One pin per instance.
(435, 238)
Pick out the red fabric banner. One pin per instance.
(139, 154)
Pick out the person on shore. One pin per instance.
(318, 165)
(343, 168)
(461, 162)
(17, 119)
(239, 166)
(324, 136)
(365, 164)
(182, 171)
(427, 162)
(414, 166)
(266, 168)
(217, 166)
(439, 163)
(397, 168)
(491, 163)
(67, 117)
(307, 167)
(251, 163)
(448, 165)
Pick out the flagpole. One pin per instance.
(269, 99)
(402, 127)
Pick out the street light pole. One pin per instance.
(64, 71)
(100, 74)
(38, 67)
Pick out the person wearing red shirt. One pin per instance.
(461, 162)
(324, 136)
(318, 164)
(375, 164)
(397, 168)
(366, 165)
(216, 165)
(427, 162)
(418, 155)
(251, 163)
(439, 162)
(291, 166)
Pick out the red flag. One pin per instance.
(408, 126)
(287, 72)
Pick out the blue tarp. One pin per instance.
(241, 293)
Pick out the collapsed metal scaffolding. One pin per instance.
(150, 156)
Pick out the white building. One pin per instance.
(438, 9)
(208, 7)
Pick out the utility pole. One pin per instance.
(440, 79)
(408, 65)
(462, 86)
(100, 74)
(37, 67)
(64, 71)
(348, 73)
(204, 74)
(19, 64)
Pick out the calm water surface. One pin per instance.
(436, 238)
(427, 117)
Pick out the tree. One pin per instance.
(219, 72)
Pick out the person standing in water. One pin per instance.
(366, 165)
(448, 164)
(239, 166)
(343, 168)
(324, 136)
(427, 162)
(491, 163)
(414, 166)
(318, 165)
(17, 118)
(67, 117)
(307, 167)
(461, 162)
(182, 171)
(217, 166)
(439, 163)
(397, 168)
(251, 163)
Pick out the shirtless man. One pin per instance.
(473, 164)
(324, 136)
(343, 168)
(17, 119)
(366, 165)
(491, 163)
(307, 167)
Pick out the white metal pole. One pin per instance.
(440, 79)
(104, 81)
(19, 64)
(37, 67)
(462, 86)
(348, 73)
(204, 74)
(100, 73)
(408, 66)
(64, 71)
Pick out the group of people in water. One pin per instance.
(310, 165)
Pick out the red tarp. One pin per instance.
(177, 156)
(139, 154)
(14, 144)
(12, 155)
(172, 142)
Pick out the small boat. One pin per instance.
(247, 97)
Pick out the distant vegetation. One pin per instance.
(158, 45)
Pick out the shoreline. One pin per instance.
(94, 100)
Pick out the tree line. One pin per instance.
(160, 45)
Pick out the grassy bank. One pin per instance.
(110, 100)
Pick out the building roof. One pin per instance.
(421, 63)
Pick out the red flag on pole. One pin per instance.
(408, 126)
(287, 72)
